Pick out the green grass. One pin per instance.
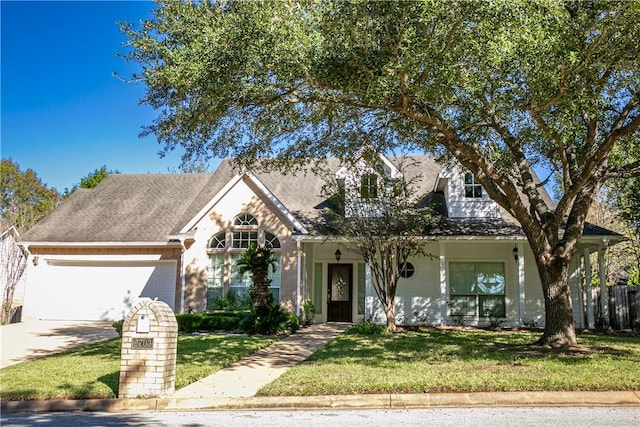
(434, 360)
(93, 371)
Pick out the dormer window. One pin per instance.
(369, 186)
(472, 188)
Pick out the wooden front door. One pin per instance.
(340, 289)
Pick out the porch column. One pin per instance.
(588, 289)
(604, 295)
(521, 291)
(368, 286)
(298, 276)
(443, 285)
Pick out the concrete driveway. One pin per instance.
(36, 338)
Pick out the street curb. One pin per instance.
(366, 401)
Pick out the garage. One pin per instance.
(95, 290)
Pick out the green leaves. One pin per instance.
(25, 199)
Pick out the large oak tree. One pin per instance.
(500, 86)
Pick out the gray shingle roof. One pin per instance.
(152, 207)
(122, 208)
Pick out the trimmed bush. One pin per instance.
(217, 321)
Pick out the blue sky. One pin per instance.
(63, 114)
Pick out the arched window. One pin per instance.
(218, 241)
(271, 241)
(247, 232)
(224, 276)
(245, 220)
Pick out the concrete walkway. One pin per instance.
(37, 338)
(245, 377)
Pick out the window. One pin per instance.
(245, 220)
(472, 188)
(215, 279)
(243, 233)
(271, 241)
(218, 241)
(369, 186)
(274, 286)
(240, 284)
(477, 289)
(407, 270)
(243, 239)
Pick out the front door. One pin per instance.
(340, 289)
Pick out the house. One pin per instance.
(177, 238)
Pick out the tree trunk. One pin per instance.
(389, 309)
(391, 317)
(559, 330)
(260, 288)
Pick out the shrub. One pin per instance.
(118, 327)
(220, 321)
(269, 320)
(233, 302)
(308, 311)
(367, 328)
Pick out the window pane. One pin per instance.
(462, 277)
(271, 241)
(274, 286)
(215, 278)
(490, 278)
(240, 283)
(468, 178)
(245, 219)
(242, 239)
(218, 241)
(492, 306)
(468, 191)
(463, 306)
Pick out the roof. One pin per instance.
(152, 207)
(123, 208)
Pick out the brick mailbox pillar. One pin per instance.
(148, 356)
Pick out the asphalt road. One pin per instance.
(442, 417)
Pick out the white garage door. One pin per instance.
(64, 290)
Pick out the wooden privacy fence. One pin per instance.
(624, 307)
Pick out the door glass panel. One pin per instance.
(340, 284)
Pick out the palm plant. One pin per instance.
(257, 260)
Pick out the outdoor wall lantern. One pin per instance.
(515, 253)
(338, 255)
(36, 261)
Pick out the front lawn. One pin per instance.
(93, 372)
(433, 360)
